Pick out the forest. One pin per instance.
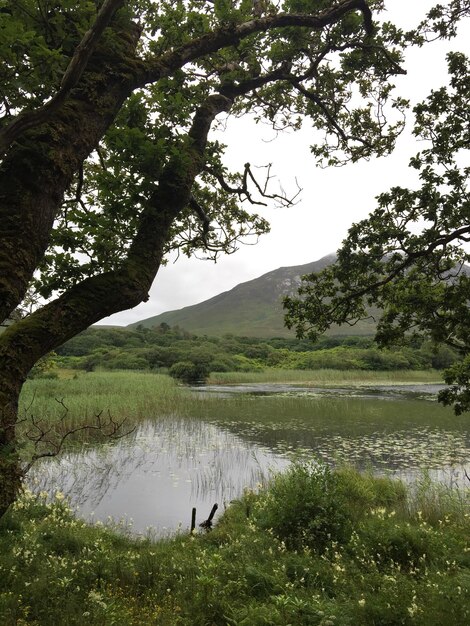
(174, 350)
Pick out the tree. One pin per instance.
(190, 372)
(410, 257)
(106, 164)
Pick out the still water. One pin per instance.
(236, 436)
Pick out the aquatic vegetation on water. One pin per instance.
(201, 448)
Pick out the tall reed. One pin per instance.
(327, 377)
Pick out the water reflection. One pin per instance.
(157, 475)
(170, 465)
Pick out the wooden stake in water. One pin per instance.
(193, 520)
(207, 524)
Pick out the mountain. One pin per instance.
(251, 309)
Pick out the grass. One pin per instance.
(126, 397)
(316, 548)
(327, 377)
(70, 401)
(127, 394)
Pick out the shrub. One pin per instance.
(362, 492)
(244, 364)
(188, 372)
(306, 507)
(44, 368)
(223, 364)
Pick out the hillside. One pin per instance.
(251, 309)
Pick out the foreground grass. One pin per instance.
(316, 548)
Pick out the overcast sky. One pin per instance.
(331, 199)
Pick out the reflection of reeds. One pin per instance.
(194, 462)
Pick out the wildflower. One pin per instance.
(361, 602)
(97, 598)
(413, 608)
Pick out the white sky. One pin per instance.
(331, 199)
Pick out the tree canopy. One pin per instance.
(174, 67)
(410, 257)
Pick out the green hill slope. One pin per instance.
(251, 309)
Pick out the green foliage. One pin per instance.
(189, 372)
(36, 42)
(155, 349)
(310, 506)
(44, 368)
(305, 508)
(458, 393)
(408, 258)
(399, 565)
(262, 72)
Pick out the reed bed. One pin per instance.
(134, 395)
(67, 403)
(115, 402)
(138, 395)
(330, 377)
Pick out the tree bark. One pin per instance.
(10, 467)
(42, 162)
(25, 342)
(39, 166)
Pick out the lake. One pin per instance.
(237, 435)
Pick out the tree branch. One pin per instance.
(232, 89)
(243, 192)
(104, 294)
(72, 75)
(232, 34)
(313, 97)
(39, 435)
(411, 257)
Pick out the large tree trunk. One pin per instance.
(36, 171)
(10, 468)
(41, 164)
(22, 344)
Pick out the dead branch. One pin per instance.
(243, 191)
(43, 435)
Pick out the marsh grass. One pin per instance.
(140, 395)
(316, 548)
(275, 420)
(70, 400)
(115, 402)
(132, 395)
(124, 392)
(328, 377)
